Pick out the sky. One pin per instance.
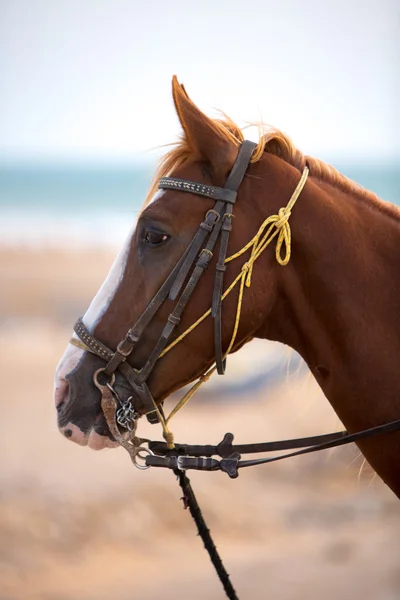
(91, 79)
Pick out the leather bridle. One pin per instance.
(217, 224)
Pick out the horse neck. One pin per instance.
(338, 305)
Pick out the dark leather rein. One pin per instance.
(217, 224)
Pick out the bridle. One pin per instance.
(217, 224)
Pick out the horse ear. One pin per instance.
(203, 136)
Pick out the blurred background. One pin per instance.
(85, 106)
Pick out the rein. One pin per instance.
(217, 224)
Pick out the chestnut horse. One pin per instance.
(337, 302)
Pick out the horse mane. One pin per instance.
(274, 142)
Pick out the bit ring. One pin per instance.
(139, 455)
(97, 383)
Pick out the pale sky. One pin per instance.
(91, 79)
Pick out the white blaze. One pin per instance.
(97, 308)
(157, 196)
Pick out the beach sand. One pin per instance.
(81, 525)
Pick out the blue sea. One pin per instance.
(96, 205)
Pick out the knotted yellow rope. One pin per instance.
(275, 225)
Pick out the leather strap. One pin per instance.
(226, 447)
(230, 464)
(175, 317)
(200, 189)
(239, 169)
(233, 182)
(211, 219)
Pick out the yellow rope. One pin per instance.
(276, 225)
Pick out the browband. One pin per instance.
(200, 189)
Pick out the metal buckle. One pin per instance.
(213, 212)
(124, 353)
(179, 463)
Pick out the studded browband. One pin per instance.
(200, 189)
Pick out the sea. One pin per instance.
(64, 205)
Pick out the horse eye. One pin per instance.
(154, 238)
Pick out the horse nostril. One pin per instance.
(74, 433)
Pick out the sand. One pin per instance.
(76, 524)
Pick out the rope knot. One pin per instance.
(247, 269)
(169, 438)
(283, 214)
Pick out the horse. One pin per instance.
(336, 301)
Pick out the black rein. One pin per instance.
(186, 456)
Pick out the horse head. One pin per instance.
(164, 231)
